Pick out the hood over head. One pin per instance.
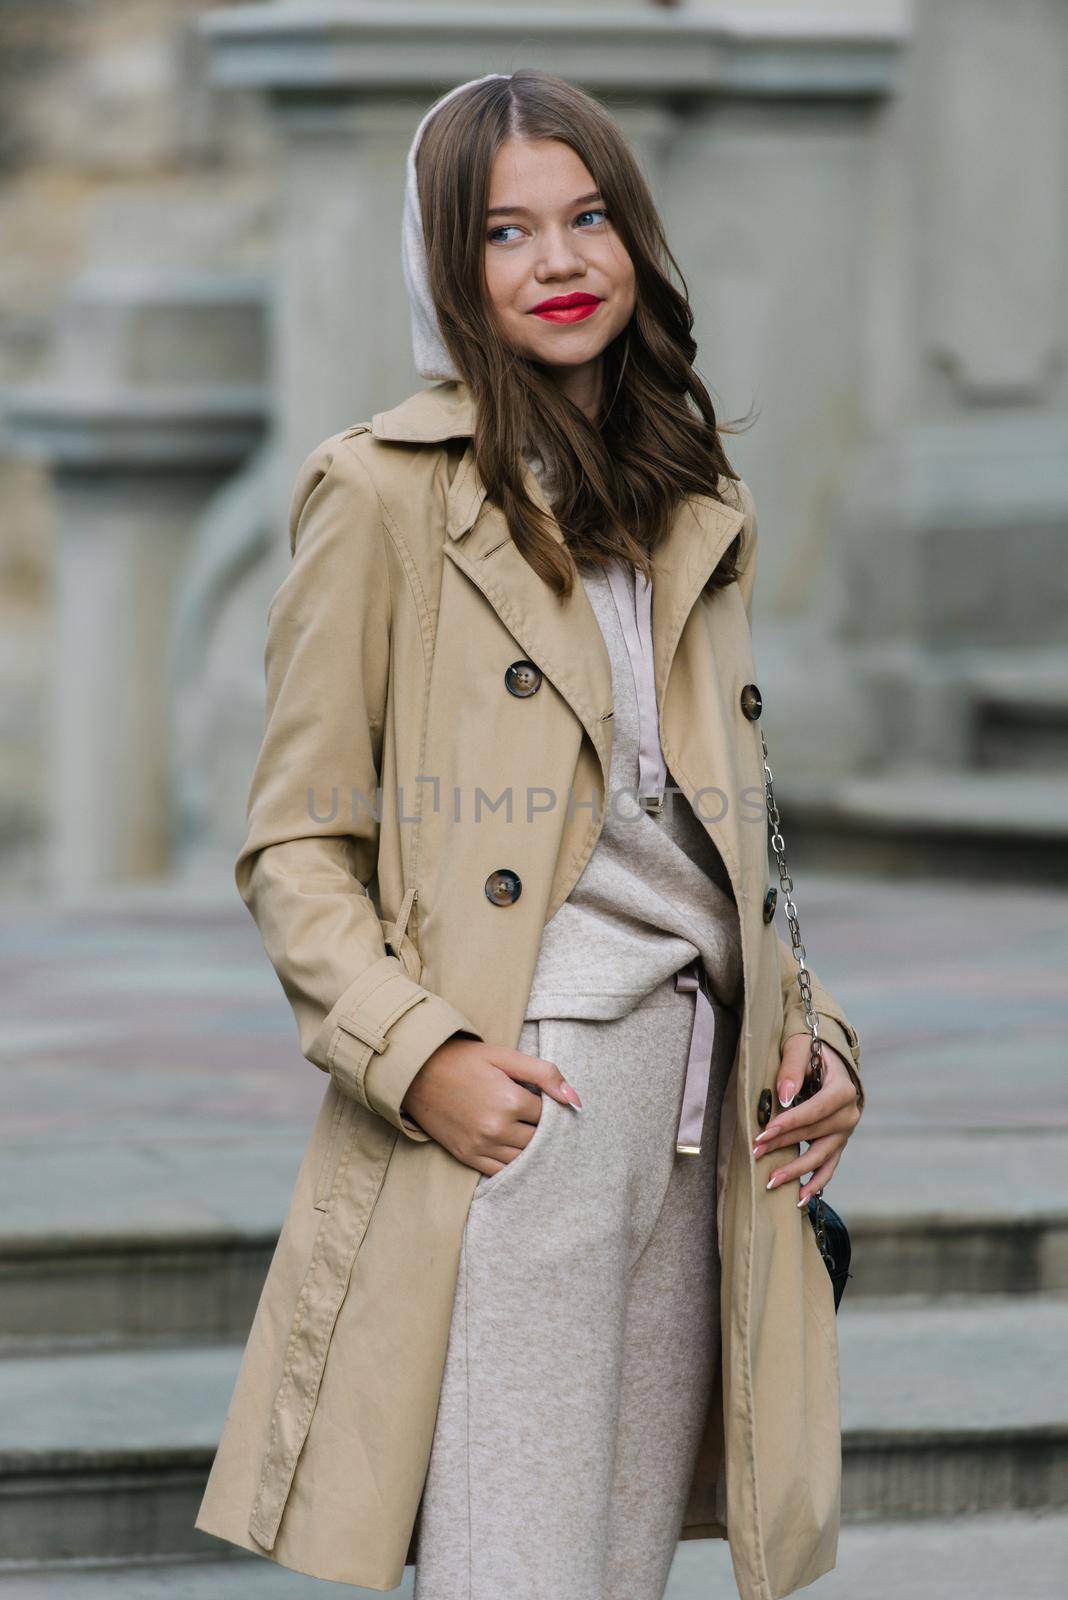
(432, 359)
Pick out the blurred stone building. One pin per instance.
(198, 207)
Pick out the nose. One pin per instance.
(560, 257)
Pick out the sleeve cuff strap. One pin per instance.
(839, 1036)
(384, 1031)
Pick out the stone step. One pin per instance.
(104, 1454)
(1020, 709)
(921, 819)
(924, 1214)
(154, 1240)
(985, 1556)
(984, 1211)
(937, 1256)
(108, 1290)
(954, 1407)
(951, 801)
(946, 1409)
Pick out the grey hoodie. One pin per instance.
(655, 894)
(432, 360)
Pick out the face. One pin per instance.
(559, 281)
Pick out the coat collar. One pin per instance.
(430, 416)
(563, 637)
(447, 411)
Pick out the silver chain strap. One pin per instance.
(778, 844)
(815, 1082)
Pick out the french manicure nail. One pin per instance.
(791, 1091)
(772, 1180)
(572, 1095)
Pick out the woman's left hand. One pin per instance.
(825, 1120)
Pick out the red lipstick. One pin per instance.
(567, 307)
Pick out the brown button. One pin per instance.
(764, 1108)
(522, 678)
(751, 702)
(769, 903)
(503, 887)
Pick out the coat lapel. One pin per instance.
(562, 636)
(700, 534)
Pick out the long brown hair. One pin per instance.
(616, 483)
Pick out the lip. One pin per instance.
(567, 307)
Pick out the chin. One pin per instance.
(574, 357)
(562, 363)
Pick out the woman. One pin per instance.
(544, 1301)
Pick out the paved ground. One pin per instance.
(148, 1054)
(975, 1558)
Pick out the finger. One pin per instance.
(819, 1179)
(527, 1106)
(532, 1069)
(840, 1121)
(808, 1161)
(796, 1052)
(796, 1068)
(513, 1135)
(835, 1096)
(514, 1145)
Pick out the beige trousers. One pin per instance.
(585, 1329)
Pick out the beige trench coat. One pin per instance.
(387, 646)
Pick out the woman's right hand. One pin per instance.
(470, 1097)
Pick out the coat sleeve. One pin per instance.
(835, 1027)
(313, 812)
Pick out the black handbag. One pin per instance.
(832, 1235)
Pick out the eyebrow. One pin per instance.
(583, 199)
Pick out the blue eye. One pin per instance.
(496, 235)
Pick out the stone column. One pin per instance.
(767, 200)
(340, 313)
(134, 460)
(956, 514)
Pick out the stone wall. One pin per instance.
(860, 196)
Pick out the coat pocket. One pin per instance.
(339, 1132)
